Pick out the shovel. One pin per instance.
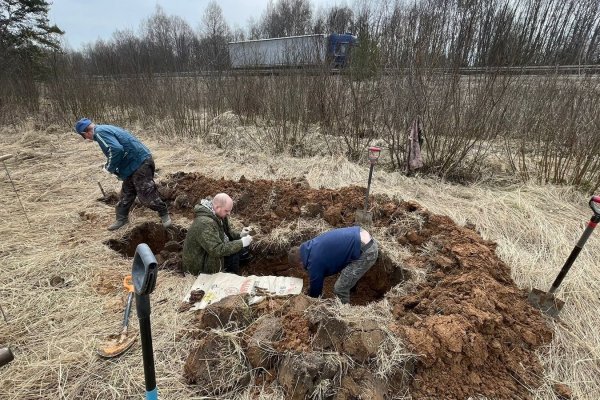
(364, 217)
(547, 302)
(120, 343)
(102, 191)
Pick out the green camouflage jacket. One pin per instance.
(205, 243)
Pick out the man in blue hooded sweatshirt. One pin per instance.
(351, 251)
(132, 163)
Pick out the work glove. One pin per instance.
(245, 231)
(246, 240)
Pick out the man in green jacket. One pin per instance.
(210, 245)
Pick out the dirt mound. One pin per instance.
(454, 306)
(468, 322)
(267, 203)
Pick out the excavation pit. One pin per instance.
(451, 324)
(380, 278)
(167, 245)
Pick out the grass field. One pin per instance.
(54, 328)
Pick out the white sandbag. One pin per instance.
(222, 284)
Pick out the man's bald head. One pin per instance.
(222, 205)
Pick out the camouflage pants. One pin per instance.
(141, 184)
(232, 263)
(354, 271)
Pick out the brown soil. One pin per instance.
(470, 327)
(296, 336)
(266, 204)
(469, 322)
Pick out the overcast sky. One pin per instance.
(86, 21)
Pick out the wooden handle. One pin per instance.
(5, 157)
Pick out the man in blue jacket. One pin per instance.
(350, 251)
(132, 163)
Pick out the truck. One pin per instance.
(331, 50)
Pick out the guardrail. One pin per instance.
(592, 69)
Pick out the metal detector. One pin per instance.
(144, 272)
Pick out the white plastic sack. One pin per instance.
(222, 284)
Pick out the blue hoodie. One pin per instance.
(124, 152)
(328, 254)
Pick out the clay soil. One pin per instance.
(469, 326)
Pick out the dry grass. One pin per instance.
(54, 331)
(392, 353)
(282, 237)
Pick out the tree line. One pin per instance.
(392, 33)
(544, 127)
(427, 33)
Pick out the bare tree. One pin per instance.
(214, 36)
(340, 19)
(184, 42)
(128, 49)
(160, 41)
(319, 25)
(287, 18)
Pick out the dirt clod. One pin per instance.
(362, 345)
(299, 375)
(562, 391)
(229, 310)
(215, 366)
(57, 281)
(260, 352)
(362, 384)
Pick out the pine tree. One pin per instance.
(25, 36)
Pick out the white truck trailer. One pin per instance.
(291, 51)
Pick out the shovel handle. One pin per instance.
(580, 243)
(368, 187)
(595, 205)
(102, 190)
(127, 313)
(127, 283)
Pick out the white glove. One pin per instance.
(245, 231)
(246, 240)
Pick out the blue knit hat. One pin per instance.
(81, 125)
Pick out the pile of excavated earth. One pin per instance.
(439, 315)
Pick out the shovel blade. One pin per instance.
(115, 346)
(363, 218)
(548, 303)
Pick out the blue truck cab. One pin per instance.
(339, 46)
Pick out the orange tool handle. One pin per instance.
(128, 283)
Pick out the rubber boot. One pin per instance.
(122, 219)
(166, 220)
